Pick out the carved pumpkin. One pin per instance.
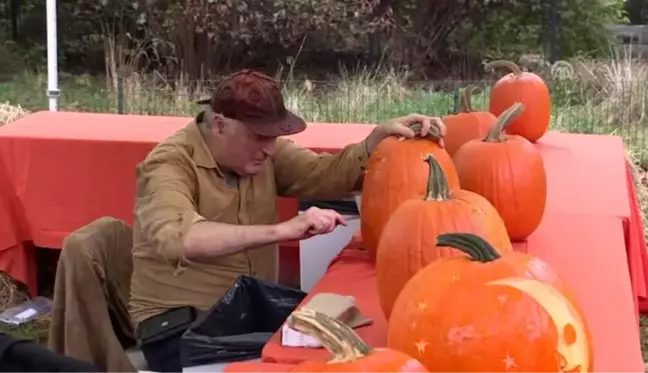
(394, 174)
(509, 172)
(350, 353)
(468, 124)
(492, 313)
(408, 242)
(528, 89)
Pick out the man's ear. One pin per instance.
(218, 123)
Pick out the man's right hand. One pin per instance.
(311, 222)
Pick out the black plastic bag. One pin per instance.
(240, 324)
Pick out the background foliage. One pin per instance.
(196, 38)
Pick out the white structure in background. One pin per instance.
(631, 38)
(52, 56)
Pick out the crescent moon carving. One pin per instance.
(573, 343)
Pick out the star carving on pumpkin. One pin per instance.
(459, 334)
(509, 362)
(421, 346)
(422, 306)
(502, 299)
(455, 277)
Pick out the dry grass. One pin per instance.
(590, 96)
(9, 113)
(10, 295)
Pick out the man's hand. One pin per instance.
(312, 222)
(402, 126)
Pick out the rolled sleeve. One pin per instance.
(302, 173)
(165, 209)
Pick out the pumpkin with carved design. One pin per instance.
(349, 352)
(401, 255)
(493, 312)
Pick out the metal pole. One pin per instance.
(52, 56)
(554, 31)
(120, 91)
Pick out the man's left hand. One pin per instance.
(402, 127)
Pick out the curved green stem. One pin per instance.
(437, 187)
(512, 66)
(465, 101)
(338, 338)
(476, 247)
(496, 132)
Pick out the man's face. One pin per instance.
(244, 152)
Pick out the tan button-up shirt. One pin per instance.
(179, 183)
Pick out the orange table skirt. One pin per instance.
(587, 251)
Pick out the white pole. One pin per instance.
(52, 57)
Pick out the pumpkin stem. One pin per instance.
(476, 247)
(465, 101)
(338, 338)
(512, 66)
(496, 132)
(437, 188)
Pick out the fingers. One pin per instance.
(323, 221)
(427, 123)
(405, 132)
(438, 122)
(340, 220)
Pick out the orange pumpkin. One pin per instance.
(408, 242)
(486, 312)
(395, 174)
(509, 172)
(468, 124)
(350, 353)
(528, 89)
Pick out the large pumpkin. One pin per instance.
(508, 170)
(467, 125)
(350, 353)
(408, 242)
(528, 89)
(489, 313)
(394, 174)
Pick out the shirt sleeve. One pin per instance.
(165, 208)
(302, 173)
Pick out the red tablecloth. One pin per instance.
(63, 170)
(587, 251)
(60, 171)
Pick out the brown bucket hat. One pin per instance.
(254, 99)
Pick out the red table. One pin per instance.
(586, 250)
(63, 170)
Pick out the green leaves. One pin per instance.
(196, 36)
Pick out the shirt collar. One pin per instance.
(201, 154)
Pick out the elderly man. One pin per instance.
(205, 208)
